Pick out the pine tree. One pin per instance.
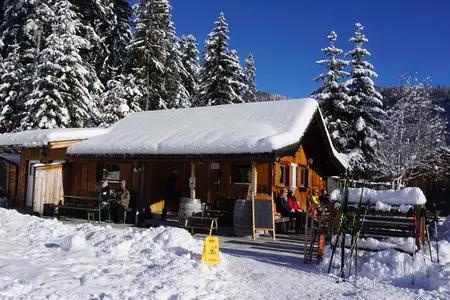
(333, 94)
(25, 25)
(176, 92)
(119, 91)
(115, 35)
(151, 49)
(66, 89)
(365, 109)
(11, 94)
(221, 76)
(95, 16)
(189, 58)
(250, 79)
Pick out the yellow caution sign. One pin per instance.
(211, 250)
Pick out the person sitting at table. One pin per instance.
(105, 192)
(122, 201)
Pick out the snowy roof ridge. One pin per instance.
(261, 127)
(336, 154)
(42, 137)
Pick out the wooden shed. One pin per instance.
(286, 140)
(42, 160)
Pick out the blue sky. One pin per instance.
(285, 36)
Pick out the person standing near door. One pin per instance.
(172, 191)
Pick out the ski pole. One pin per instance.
(427, 227)
(414, 245)
(436, 231)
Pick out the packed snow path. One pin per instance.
(45, 259)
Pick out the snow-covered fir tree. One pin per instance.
(115, 35)
(238, 77)
(151, 49)
(96, 16)
(176, 93)
(365, 109)
(189, 58)
(120, 91)
(221, 76)
(333, 94)
(11, 90)
(414, 131)
(20, 33)
(250, 79)
(66, 91)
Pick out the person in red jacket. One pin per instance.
(296, 211)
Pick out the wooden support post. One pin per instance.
(192, 194)
(252, 195)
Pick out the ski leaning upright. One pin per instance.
(342, 221)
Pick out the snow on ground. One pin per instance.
(42, 258)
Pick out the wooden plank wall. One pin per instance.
(48, 187)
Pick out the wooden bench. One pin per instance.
(90, 211)
(199, 223)
(285, 223)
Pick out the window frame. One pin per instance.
(234, 174)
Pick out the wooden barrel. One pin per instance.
(189, 207)
(242, 217)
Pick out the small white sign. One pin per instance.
(39, 173)
(192, 182)
(215, 166)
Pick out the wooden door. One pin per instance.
(48, 186)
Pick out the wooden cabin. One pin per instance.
(213, 147)
(41, 165)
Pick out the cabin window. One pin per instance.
(302, 177)
(110, 172)
(283, 178)
(242, 174)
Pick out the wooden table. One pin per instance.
(214, 223)
(102, 205)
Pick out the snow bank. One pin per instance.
(42, 137)
(393, 263)
(238, 128)
(41, 258)
(44, 259)
(407, 196)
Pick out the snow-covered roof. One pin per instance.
(406, 196)
(42, 137)
(261, 127)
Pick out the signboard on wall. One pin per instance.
(192, 182)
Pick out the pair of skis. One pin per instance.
(356, 232)
(354, 245)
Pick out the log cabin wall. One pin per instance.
(294, 171)
(82, 176)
